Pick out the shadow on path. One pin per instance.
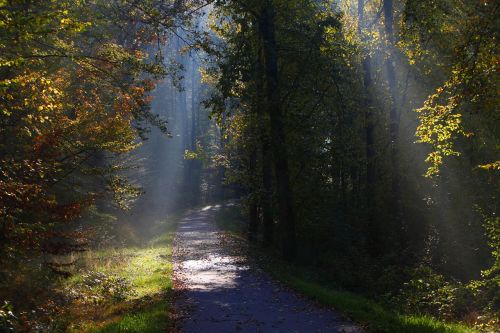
(222, 293)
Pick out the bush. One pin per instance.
(99, 287)
(429, 293)
(7, 318)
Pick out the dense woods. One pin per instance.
(360, 137)
(365, 137)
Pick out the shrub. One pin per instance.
(429, 293)
(99, 287)
(7, 318)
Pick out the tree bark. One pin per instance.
(266, 197)
(373, 242)
(393, 117)
(194, 165)
(253, 213)
(266, 159)
(277, 128)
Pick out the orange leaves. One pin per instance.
(44, 142)
(73, 90)
(69, 211)
(134, 98)
(148, 84)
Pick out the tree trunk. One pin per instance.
(253, 208)
(394, 118)
(194, 165)
(266, 159)
(266, 197)
(373, 242)
(277, 127)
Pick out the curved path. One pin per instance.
(222, 293)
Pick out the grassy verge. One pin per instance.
(126, 289)
(361, 310)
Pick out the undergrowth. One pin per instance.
(118, 286)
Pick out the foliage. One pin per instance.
(424, 298)
(133, 275)
(469, 62)
(7, 318)
(74, 95)
(315, 104)
(356, 85)
(97, 287)
(75, 90)
(430, 293)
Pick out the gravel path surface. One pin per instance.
(222, 293)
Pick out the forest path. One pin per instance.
(223, 293)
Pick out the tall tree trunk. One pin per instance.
(194, 165)
(220, 190)
(181, 59)
(182, 110)
(394, 117)
(266, 159)
(253, 208)
(267, 182)
(373, 242)
(277, 127)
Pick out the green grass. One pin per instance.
(149, 320)
(361, 310)
(364, 311)
(148, 272)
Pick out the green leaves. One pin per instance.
(439, 126)
(75, 79)
(124, 192)
(7, 318)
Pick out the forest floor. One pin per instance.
(223, 291)
(124, 288)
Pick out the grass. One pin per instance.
(362, 310)
(147, 271)
(149, 320)
(370, 314)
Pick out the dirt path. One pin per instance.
(223, 294)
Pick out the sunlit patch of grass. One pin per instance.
(148, 272)
(151, 319)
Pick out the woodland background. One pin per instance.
(361, 138)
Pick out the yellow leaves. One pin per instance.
(494, 166)
(66, 21)
(45, 102)
(70, 23)
(412, 48)
(209, 77)
(190, 155)
(439, 124)
(57, 97)
(35, 97)
(435, 160)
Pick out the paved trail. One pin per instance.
(224, 294)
